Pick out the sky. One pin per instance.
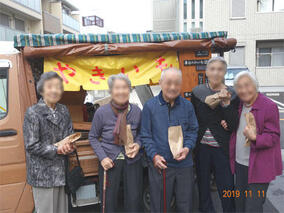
(120, 16)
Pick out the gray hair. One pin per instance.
(219, 59)
(248, 74)
(120, 76)
(45, 77)
(170, 69)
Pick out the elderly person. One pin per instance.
(46, 123)
(108, 137)
(169, 174)
(214, 103)
(257, 162)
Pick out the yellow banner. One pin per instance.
(92, 72)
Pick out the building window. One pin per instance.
(185, 9)
(19, 24)
(4, 20)
(278, 5)
(237, 58)
(270, 5)
(66, 10)
(193, 9)
(201, 9)
(238, 8)
(201, 25)
(192, 25)
(185, 27)
(270, 53)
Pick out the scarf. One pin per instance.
(119, 132)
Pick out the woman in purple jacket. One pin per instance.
(259, 162)
(108, 137)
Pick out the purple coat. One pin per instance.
(101, 134)
(265, 154)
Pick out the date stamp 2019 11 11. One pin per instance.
(246, 193)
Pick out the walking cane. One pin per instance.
(104, 191)
(164, 190)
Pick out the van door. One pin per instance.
(15, 193)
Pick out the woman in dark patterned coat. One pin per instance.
(45, 124)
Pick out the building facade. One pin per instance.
(166, 15)
(36, 16)
(256, 24)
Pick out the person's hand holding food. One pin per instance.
(225, 96)
(133, 150)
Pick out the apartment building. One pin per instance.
(256, 24)
(258, 27)
(36, 16)
(178, 15)
(166, 15)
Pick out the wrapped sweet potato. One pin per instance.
(250, 120)
(69, 139)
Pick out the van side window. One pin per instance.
(3, 92)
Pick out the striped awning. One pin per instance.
(40, 40)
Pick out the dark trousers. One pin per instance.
(210, 158)
(132, 175)
(178, 181)
(252, 196)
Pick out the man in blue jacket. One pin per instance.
(169, 175)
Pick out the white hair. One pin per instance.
(248, 74)
(171, 69)
(219, 59)
(120, 76)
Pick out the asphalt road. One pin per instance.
(275, 194)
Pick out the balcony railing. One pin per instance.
(70, 22)
(32, 4)
(7, 34)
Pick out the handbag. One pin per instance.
(75, 177)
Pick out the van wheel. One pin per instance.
(146, 198)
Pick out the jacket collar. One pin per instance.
(53, 116)
(163, 102)
(256, 105)
(258, 102)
